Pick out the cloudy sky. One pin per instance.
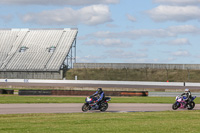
(117, 31)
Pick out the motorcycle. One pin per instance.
(182, 104)
(91, 105)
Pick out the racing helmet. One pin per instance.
(186, 90)
(99, 90)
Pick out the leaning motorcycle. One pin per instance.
(91, 105)
(182, 104)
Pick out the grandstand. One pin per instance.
(36, 53)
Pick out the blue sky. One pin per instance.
(117, 31)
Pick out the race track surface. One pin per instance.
(76, 108)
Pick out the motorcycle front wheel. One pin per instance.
(104, 107)
(193, 103)
(175, 106)
(191, 106)
(85, 107)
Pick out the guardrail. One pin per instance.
(81, 92)
(100, 82)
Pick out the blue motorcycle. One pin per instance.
(182, 104)
(91, 105)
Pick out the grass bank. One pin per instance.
(173, 75)
(51, 99)
(151, 122)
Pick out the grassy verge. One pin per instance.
(151, 122)
(145, 74)
(46, 99)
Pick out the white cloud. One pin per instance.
(134, 34)
(181, 53)
(90, 15)
(112, 25)
(174, 13)
(131, 18)
(184, 29)
(121, 54)
(170, 59)
(197, 56)
(58, 2)
(171, 31)
(150, 33)
(90, 58)
(178, 41)
(149, 42)
(6, 18)
(108, 43)
(143, 60)
(178, 2)
(104, 34)
(143, 50)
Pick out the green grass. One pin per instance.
(47, 99)
(173, 75)
(136, 122)
(40, 99)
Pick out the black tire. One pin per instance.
(175, 106)
(104, 107)
(192, 105)
(85, 107)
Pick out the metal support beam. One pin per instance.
(71, 57)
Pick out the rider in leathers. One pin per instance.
(188, 95)
(99, 95)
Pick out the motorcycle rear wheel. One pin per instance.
(175, 106)
(104, 107)
(85, 107)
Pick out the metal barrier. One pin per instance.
(81, 93)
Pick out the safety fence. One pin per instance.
(74, 92)
(137, 66)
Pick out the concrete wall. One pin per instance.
(31, 75)
(137, 66)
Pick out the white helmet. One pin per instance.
(186, 90)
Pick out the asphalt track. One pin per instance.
(76, 108)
